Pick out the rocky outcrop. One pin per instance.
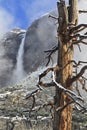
(14, 123)
(15, 108)
(9, 45)
(40, 36)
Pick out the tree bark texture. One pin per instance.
(63, 119)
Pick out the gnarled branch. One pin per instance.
(78, 28)
(78, 75)
(67, 91)
(50, 52)
(51, 16)
(82, 11)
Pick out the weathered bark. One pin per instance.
(73, 11)
(63, 119)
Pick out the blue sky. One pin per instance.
(21, 13)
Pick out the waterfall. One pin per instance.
(19, 66)
(19, 72)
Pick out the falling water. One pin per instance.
(19, 72)
(19, 66)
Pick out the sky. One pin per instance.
(21, 13)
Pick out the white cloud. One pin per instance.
(6, 21)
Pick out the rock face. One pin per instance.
(16, 114)
(9, 45)
(40, 36)
(15, 109)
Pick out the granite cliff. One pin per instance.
(40, 36)
(9, 45)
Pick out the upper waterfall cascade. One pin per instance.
(19, 72)
(19, 65)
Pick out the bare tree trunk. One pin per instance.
(63, 119)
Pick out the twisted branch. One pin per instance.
(70, 93)
(50, 52)
(82, 11)
(51, 16)
(78, 28)
(82, 71)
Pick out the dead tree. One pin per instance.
(67, 19)
(63, 78)
(68, 36)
